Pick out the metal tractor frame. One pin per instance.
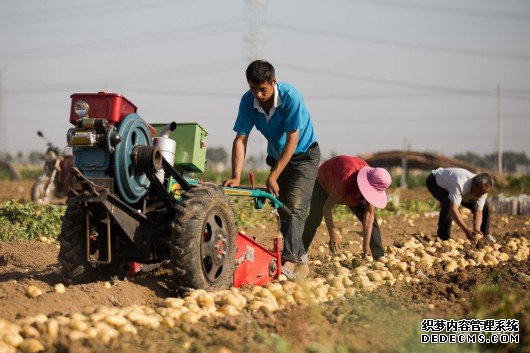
(132, 205)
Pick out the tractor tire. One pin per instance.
(38, 192)
(72, 254)
(203, 240)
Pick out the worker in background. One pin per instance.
(278, 111)
(67, 162)
(455, 187)
(349, 181)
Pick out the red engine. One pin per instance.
(110, 106)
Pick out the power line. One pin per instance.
(343, 96)
(417, 46)
(465, 137)
(67, 13)
(177, 72)
(403, 5)
(447, 139)
(217, 66)
(518, 91)
(201, 94)
(399, 83)
(64, 10)
(422, 120)
(216, 94)
(206, 95)
(308, 96)
(168, 73)
(123, 42)
(143, 76)
(317, 96)
(353, 119)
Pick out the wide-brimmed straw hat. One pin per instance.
(372, 183)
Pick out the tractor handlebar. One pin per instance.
(259, 195)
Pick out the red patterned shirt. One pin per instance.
(339, 174)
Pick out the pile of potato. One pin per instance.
(347, 276)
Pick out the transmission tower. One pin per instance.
(255, 49)
(255, 38)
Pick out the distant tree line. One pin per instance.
(33, 157)
(510, 160)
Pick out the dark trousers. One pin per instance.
(444, 221)
(66, 175)
(316, 214)
(295, 181)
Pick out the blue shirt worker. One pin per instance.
(278, 111)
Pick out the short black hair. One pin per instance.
(260, 71)
(483, 179)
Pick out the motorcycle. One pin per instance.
(56, 178)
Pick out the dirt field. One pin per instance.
(385, 318)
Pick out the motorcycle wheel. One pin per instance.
(38, 191)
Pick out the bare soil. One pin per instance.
(385, 320)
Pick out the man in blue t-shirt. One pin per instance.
(278, 111)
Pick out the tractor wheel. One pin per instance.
(38, 191)
(203, 240)
(72, 253)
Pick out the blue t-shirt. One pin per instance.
(290, 115)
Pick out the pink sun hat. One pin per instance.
(372, 183)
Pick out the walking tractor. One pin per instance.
(132, 204)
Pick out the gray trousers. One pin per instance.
(295, 181)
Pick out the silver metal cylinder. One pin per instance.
(167, 147)
(167, 129)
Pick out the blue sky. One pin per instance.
(373, 73)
